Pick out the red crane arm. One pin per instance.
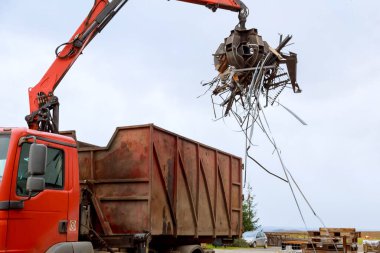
(233, 5)
(66, 58)
(44, 106)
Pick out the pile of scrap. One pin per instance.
(251, 76)
(333, 239)
(249, 69)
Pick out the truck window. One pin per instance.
(4, 143)
(54, 169)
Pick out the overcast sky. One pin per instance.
(147, 65)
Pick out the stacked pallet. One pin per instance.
(297, 246)
(371, 246)
(278, 238)
(333, 239)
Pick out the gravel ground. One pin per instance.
(262, 250)
(250, 250)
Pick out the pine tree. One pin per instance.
(250, 219)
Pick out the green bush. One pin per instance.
(241, 243)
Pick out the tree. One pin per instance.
(250, 219)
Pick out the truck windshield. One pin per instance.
(4, 143)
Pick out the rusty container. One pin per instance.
(150, 179)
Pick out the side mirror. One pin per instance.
(36, 168)
(37, 160)
(35, 184)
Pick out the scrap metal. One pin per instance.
(249, 68)
(252, 75)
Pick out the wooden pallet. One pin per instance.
(333, 239)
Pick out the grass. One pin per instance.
(360, 240)
(236, 244)
(210, 246)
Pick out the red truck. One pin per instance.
(147, 185)
(148, 189)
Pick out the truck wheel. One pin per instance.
(254, 244)
(190, 249)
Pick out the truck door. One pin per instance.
(42, 222)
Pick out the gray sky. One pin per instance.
(147, 65)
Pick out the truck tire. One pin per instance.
(190, 249)
(71, 247)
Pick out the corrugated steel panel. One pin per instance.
(149, 179)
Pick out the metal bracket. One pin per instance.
(243, 15)
(46, 118)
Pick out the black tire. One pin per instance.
(265, 245)
(254, 245)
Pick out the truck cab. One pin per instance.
(35, 222)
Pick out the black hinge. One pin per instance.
(62, 227)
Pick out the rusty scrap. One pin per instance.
(251, 76)
(248, 69)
